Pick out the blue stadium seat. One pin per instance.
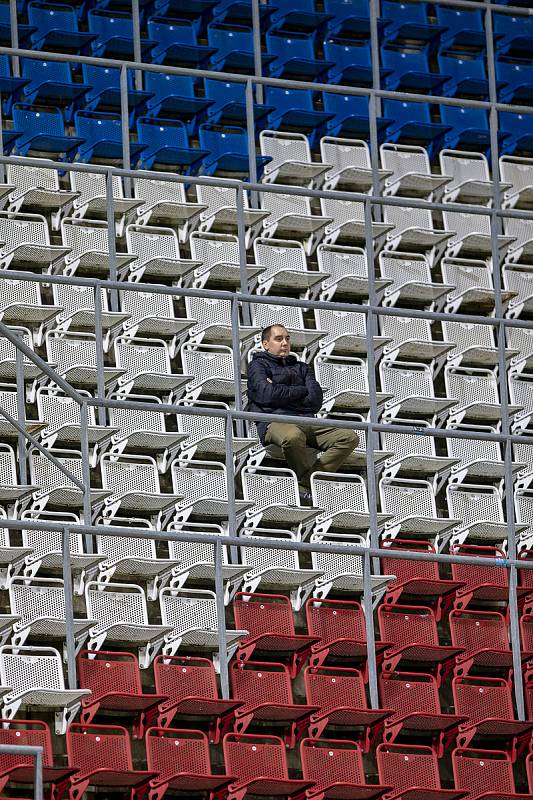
(352, 59)
(235, 48)
(409, 70)
(10, 87)
(167, 146)
(229, 104)
(9, 139)
(409, 22)
(517, 81)
(350, 117)
(57, 28)
(469, 128)
(465, 28)
(515, 34)
(519, 131)
(173, 98)
(228, 148)
(295, 56)
(25, 32)
(467, 74)
(51, 84)
(105, 92)
(300, 15)
(197, 11)
(413, 124)
(239, 12)
(177, 44)
(351, 18)
(115, 35)
(43, 131)
(293, 110)
(102, 135)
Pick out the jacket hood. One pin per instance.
(281, 361)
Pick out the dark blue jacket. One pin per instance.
(294, 388)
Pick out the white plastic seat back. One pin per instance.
(22, 229)
(124, 475)
(26, 668)
(191, 553)
(213, 248)
(407, 498)
(467, 335)
(154, 191)
(93, 184)
(263, 558)
(115, 603)
(8, 469)
(289, 316)
(404, 445)
(404, 217)
(341, 492)
(469, 450)
(463, 167)
(142, 355)
(131, 420)
(44, 542)
(339, 262)
(464, 224)
(282, 147)
(143, 305)
(341, 211)
(343, 154)
(335, 564)
(405, 329)
(85, 237)
(207, 361)
(521, 392)
(117, 548)
(48, 476)
(198, 427)
(59, 410)
(404, 159)
(24, 292)
(76, 298)
(208, 311)
(8, 400)
(40, 597)
(471, 385)
(465, 275)
(471, 503)
(341, 376)
(265, 487)
(217, 197)
(186, 609)
(403, 380)
(404, 268)
(71, 349)
(339, 323)
(518, 172)
(29, 177)
(279, 205)
(279, 254)
(199, 480)
(150, 243)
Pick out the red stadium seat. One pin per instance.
(265, 689)
(102, 754)
(485, 774)
(483, 582)
(182, 760)
(115, 682)
(269, 619)
(191, 687)
(484, 638)
(336, 768)
(413, 630)
(413, 772)
(340, 695)
(415, 698)
(261, 767)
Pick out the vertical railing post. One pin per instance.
(13, 22)
(100, 374)
(370, 632)
(250, 132)
(258, 64)
(38, 793)
(137, 50)
(69, 609)
(221, 623)
(86, 469)
(124, 118)
(21, 416)
(374, 102)
(111, 236)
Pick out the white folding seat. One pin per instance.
(221, 213)
(218, 255)
(276, 571)
(283, 267)
(212, 371)
(480, 513)
(165, 203)
(197, 560)
(21, 304)
(411, 174)
(520, 342)
(475, 345)
(151, 314)
(40, 604)
(413, 507)
(518, 173)
(206, 436)
(471, 235)
(13, 495)
(523, 453)
(477, 395)
(342, 572)
(346, 384)
(414, 455)
(35, 675)
(122, 619)
(264, 488)
(53, 489)
(473, 287)
(88, 243)
(521, 230)
(45, 549)
(9, 404)
(412, 229)
(521, 394)
(143, 431)
(91, 201)
(478, 460)
(157, 256)
(132, 559)
(302, 338)
(344, 333)
(192, 615)
(63, 428)
(290, 217)
(348, 273)
(518, 279)
(413, 393)
(145, 364)
(133, 484)
(37, 189)
(411, 281)
(203, 493)
(78, 312)
(12, 558)
(212, 324)
(351, 168)
(75, 357)
(523, 505)
(291, 161)
(25, 244)
(344, 502)
(410, 339)
(347, 223)
(470, 177)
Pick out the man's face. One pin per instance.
(279, 343)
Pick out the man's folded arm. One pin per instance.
(276, 395)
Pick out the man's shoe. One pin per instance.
(306, 497)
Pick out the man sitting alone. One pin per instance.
(278, 383)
